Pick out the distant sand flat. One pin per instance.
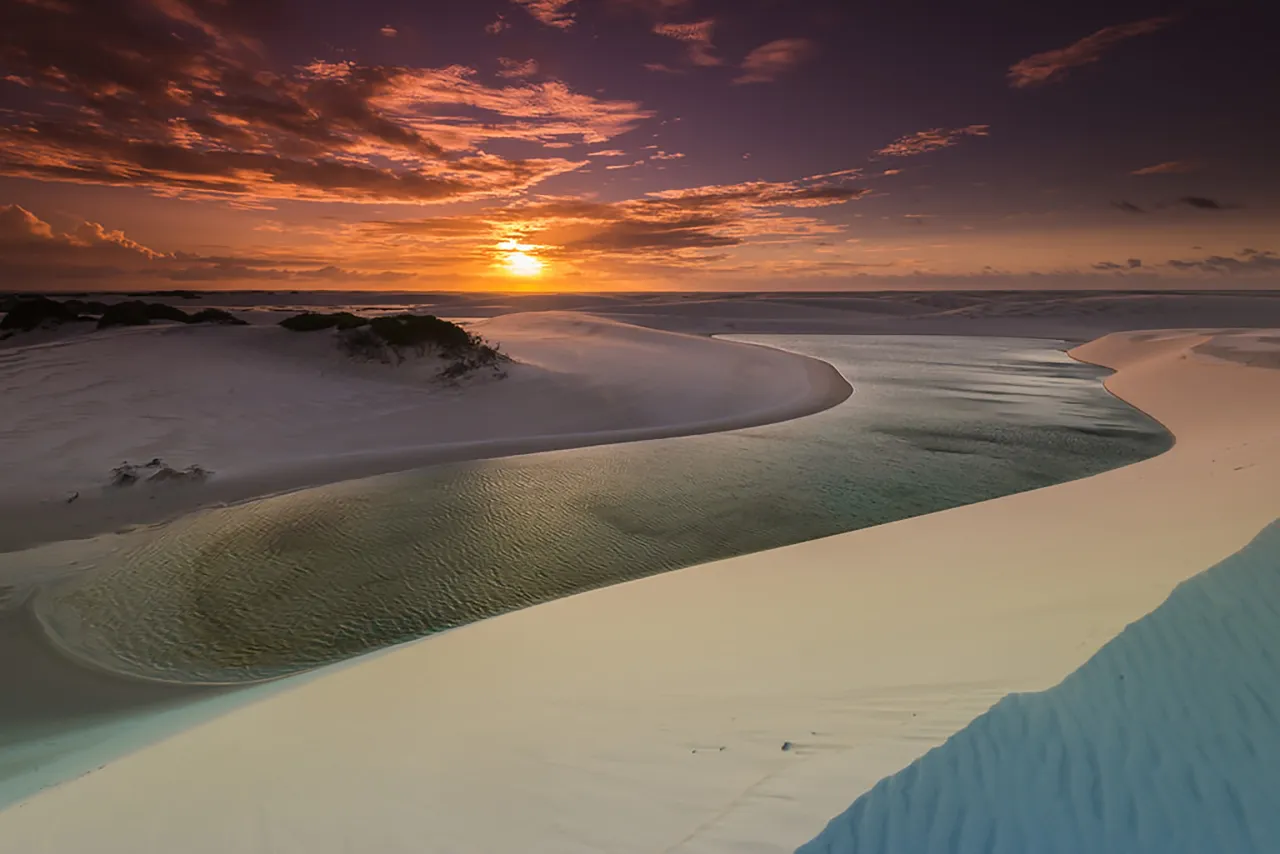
(652, 716)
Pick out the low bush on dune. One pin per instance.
(218, 317)
(312, 321)
(139, 313)
(25, 315)
(157, 471)
(80, 306)
(391, 338)
(421, 332)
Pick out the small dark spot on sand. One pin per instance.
(786, 745)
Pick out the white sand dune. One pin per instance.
(653, 716)
(1166, 741)
(269, 410)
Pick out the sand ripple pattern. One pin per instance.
(289, 583)
(1166, 741)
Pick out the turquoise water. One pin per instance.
(290, 583)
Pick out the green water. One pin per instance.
(289, 583)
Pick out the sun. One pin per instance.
(518, 259)
(519, 263)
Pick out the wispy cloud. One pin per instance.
(1053, 65)
(515, 68)
(697, 38)
(931, 140)
(553, 13)
(1172, 167)
(1205, 204)
(667, 229)
(662, 68)
(389, 32)
(607, 152)
(1200, 203)
(767, 62)
(497, 26)
(1113, 267)
(1244, 262)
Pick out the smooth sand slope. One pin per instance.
(735, 706)
(269, 410)
(1165, 741)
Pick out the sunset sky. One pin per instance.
(634, 144)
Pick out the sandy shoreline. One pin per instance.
(582, 393)
(629, 719)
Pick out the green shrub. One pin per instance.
(421, 332)
(363, 343)
(28, 314)
(312, 321)
(139, 313)
(218, 316)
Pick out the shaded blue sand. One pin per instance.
(1166, 741)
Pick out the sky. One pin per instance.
(591, 145)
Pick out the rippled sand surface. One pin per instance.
(289, 583)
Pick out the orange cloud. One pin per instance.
(125, 109)
(767, 62)
(697, 36)
(550, 12)
(931, 140)
(21, 229)
(668, 229)
(515, 68)
(1053, 65)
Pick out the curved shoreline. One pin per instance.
(28, 525)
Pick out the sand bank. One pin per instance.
(653, 716)
(269, 410)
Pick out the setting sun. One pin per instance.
(517, 260)
(522, 264)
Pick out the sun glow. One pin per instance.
(517, 259)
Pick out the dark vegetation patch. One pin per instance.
(391, 338)
(156, 471)
(25, 313)
(218, 317)
(170, 294)
(139, 313)
(312, 321)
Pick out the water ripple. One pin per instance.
(289, 583)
